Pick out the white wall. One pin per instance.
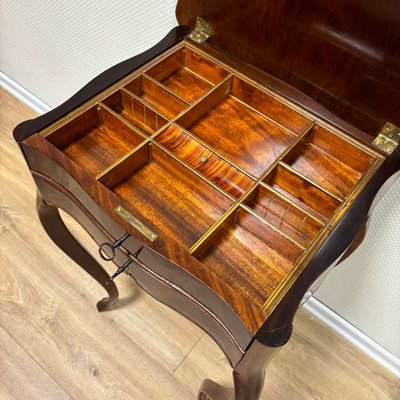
(53, 48)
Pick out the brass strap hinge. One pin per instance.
(388, 138)
(201, 32)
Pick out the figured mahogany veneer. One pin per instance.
(243, 183)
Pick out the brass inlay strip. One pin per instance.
(199, 174)
(265, 116)
(124, 121)
(275, 228)
(298, 268)
(212, 230)
(135, 223)
(120, 160)
(309, 180)
(283, 197)
(166, 88)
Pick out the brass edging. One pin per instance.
(141, 101)
(214, 227)
(307, 114)
(309, 180)
(198, 140)
(166, 88)
(273, 227)
(121, 159)
(123, 120)
(266, 116)
(199, 174)
(284, 286)
(283, 197)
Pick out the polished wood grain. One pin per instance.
(95, 139)
(243, 136)
(151, 93)
(190, 205)
(284, 215)
(302, 192)
(344, 54)
(188, 74)
(166, 337)
(137, 113)
(224, 175)
(193, 211)
(252, 258)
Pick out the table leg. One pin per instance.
(54, 226)
(248, 376)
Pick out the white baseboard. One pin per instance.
(353, 335)
(22, 94)
(315, 307)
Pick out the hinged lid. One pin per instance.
(388, 138)
(343, 53)
(201, 32)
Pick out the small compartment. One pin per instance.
(303, 193)
(159, 189)
(188, 74)
(134, 111)
(249, 255)
(219, 171)
(237, 130)
(155, 95)
(330, 161)
(95, 139)
(284, 215)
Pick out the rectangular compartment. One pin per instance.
(155, 95)
(250, 256)
(240, 131)
(95, 139)
(302, 192)
(219, 171)
(161, 190)
(188, 74)
(284, 215)
(136, 112)
(330, 161)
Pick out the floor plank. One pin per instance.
(22, 377)
(140, 350)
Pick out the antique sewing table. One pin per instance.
(229, 166)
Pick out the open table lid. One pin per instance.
(344, 54)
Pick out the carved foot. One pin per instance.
(54, 226)
(210, 390)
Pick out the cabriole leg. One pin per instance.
(54, 226)
(248, 376)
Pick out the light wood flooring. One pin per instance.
(55, 345)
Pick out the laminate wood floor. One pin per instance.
(55, 345)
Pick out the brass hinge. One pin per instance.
(388, 138)
(201, 32)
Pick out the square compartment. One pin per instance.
(284, 215)
(250, 256)
(158, 189)
(303, 193)
(137, 113)
(156, 96)
(330, 161)
(199, 157)
(238, 130)
(188, 74)
(95, 139)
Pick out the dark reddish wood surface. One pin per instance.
(345, 54)
(223, 286)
